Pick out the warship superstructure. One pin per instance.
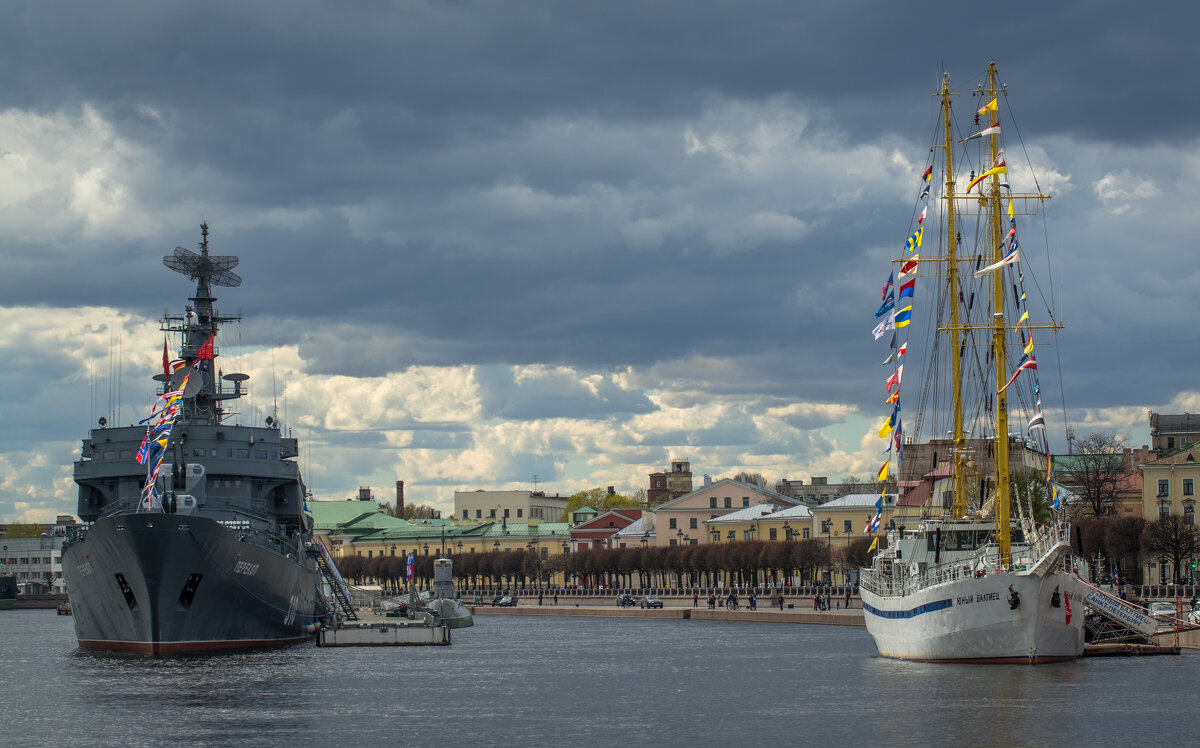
(211, 549)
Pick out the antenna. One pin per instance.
(207, 269)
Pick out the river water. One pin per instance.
(540, 681)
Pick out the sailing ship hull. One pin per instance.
(970, 620)
(166, 584)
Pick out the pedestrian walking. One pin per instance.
(781, 601)
(556, 598)
(695, 599)
(847, 598)
(539, 598)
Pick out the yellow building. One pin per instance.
(844, 520)
(1169, 489)
(682, 521)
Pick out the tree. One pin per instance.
(1031, 490)
(23, 530)
(1171, 538)
(411, 511)
(750, 479)
(1094, 469)
(600, 500)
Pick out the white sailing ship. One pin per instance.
(974, 583)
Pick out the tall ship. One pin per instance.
(196, 536)
(978, 566)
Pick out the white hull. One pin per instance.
(969, 619)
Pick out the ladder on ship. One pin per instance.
(337, 585)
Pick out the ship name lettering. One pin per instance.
(987, 597)
(245, 567)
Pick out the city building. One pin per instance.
(598, 531)
(818, 491)
(36, 563)
(670, 484)
(1171, 432)
(681, 521)
(513, 506)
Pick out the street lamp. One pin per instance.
(427, 549)
(827, 528)
(787, 530)
(460, 546)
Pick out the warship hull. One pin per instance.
(167, 584)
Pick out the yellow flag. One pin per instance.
(991, 106)
(883, 471)
(1029, 347)
(1024, 317)
(885, 429)
(874, 543)
(1010, 210)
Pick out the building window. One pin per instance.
(712, 502)
(728, 502)
(772, 536)
(368, 554)
(671, 542)
(692, 523)
(492, 515)
(1170, 442)
(464, 514)
(478, 514)
(1189, 513)
(1164, 510)
(745, 534)
(848, 525)
(505, 514)
(672, 525)
(804, 533)
(1164, 488)
(745, 501)
(519, 512)
(1187, 487)
(732, 535)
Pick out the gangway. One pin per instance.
(337, 585)
(1119, 620)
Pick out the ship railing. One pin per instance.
(985, 562)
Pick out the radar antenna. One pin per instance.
(205, 269)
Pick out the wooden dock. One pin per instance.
(1128, 650)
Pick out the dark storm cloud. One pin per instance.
(703, 192)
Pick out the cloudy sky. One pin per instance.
(483, 242)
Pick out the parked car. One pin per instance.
(507, 601)
(650, 601)
(1162, 611)
(625, 601)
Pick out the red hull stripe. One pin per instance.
(192, 647)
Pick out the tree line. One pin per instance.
(742, 563)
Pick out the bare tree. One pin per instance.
(1094, 470)
(1171, 538)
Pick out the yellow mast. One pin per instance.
(959, 505)
(1003, 529)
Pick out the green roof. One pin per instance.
(329, 515)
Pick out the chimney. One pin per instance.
(612, 491)
(400, 498)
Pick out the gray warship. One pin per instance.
(219, 555)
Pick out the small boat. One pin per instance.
(982, 571)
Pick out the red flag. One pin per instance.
(205, 351)
(166, 360)
(1067, 597)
